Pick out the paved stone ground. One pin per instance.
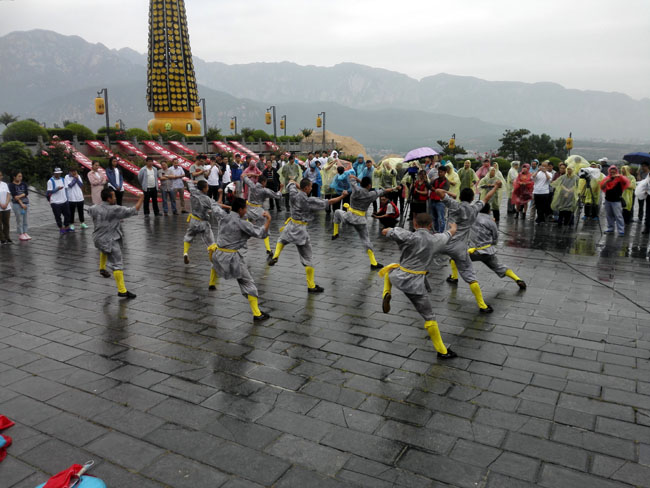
(180, 388)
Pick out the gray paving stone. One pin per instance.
(53, 456)
(125, 451)
(442, 468)
(71, 429)
(547, 451)
(553, 476)
(179, 472)
(308, 454)
(517, 466)
(365, 445)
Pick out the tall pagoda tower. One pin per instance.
(171, 84)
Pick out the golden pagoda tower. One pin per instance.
(171, 83)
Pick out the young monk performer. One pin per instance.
(417, 249)
(107, 236)
(257, 193)
(295, 228)
(226, 257)
(362, 197)
(199, 217)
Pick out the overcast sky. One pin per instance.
(583, 44)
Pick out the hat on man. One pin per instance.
(58, 171)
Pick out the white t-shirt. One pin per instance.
(4, 192)
(177, 182)
(197, 167)
(59, 196)
(213, 177)
(74, 194)
(151, 178)
(226, 175)
(542, 183)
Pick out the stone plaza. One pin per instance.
(180, 388)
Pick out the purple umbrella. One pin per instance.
(419, 153)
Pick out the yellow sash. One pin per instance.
(347, 207)
(191, 216)
(252, 204)
(471, 250)
(291, 219)
(388, 268)
(214, 247)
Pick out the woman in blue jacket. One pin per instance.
(115, 179)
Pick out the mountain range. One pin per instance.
(52, 77)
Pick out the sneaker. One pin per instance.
(104, 273)
(488, 309)
(608, 231)
(165, 214)
(376, 266)
(126, 294)
(385, 303)
(71, 228)
(335, 236)
(176, 213)
(451, 280)
(596, 218)
(27, 237)
(84, 226)
(271, 261)
(269, 254)
(450, 354)
(621, 234)
(3, 243)
(212, 287)
(316, 289)
(183, 211)
(264, 316)
(22, 237)
(186, 259)
(62, 231)
(521, 284)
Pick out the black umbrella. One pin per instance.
(637, 157)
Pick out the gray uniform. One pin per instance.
(256, 196)
(417, 250)
(463, 214)
(233, 235)
(302, 209)
(107, 233)
(360, 200)
(485, 232)
(201, 208)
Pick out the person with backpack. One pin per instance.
(56, 194)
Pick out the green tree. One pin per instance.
(25, 131)
(513, 143)
(82, 132)
(7, 118)
(214, 134)
(246, 132)
(14, 158)
(307, 132)
(139, 134)
(446, 151)
(67, 122)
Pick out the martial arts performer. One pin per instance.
(107, 236)
(226, 256)
(199, 217)
(464, 214)
(417, 249)
(483, 238)
(295, 227)
(362, 197)
(257, 193)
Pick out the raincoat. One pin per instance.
(512, 176)
(522, 187)
(592, 193)
(290, 171)
(628, 194)
(486, 184)
(467, 178)
(565, 197)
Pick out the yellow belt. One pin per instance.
(471, 250)
(214, 247)
(252, 204)
(291, 219)
(354, 211)
(388, 268)
(192, 216)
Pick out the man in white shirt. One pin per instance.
(59, 201)
(199, 170)
(166, 179)
(148, 178)
(74, 190)
(176, 175)
(541, 192)
(214, 172)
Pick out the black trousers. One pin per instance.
(151, 194)
(213, 192)
(61, 209)
(592, 211)
(543, 206)
(286, 201)
(496, 213)
(644, 207)
(79, 207)
(564, 217)
(314, 190)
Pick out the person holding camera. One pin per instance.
(589, 190)
(613, 186)
(541, 192)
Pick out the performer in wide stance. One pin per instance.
(362, 197)
(199, 217)
(257, 193)
(226, 256)
(295, 231)
(417, 249)
(107, 236)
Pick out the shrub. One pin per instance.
(82, 132)
(172, 135)
(260, 134)
(139, 134)
(214, 134)
(14, 158)
(25, 131)
(234, 137)
(63, 134)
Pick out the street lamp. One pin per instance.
(283, 124)
(233, 124)
(119, 124)
(205, 124)
(101, 106)
(268, 121)
(320, 122)
(569, 144)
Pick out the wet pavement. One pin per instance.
(180, 388)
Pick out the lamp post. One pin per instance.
(101, 108)
(320, 121)
(233, 124)
(569, 144)
(283, 124)
(205, 125)
(119, 124)
(268, 121)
